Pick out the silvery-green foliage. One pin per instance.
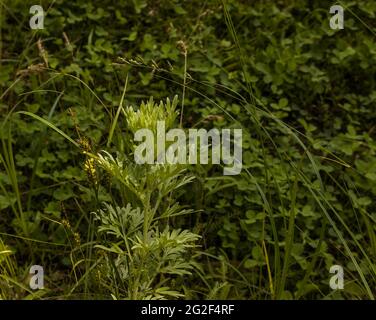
(160, 178)
(149, 113)
(141, 261)
(119, 222)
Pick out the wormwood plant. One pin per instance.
(145, 258)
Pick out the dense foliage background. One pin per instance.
(303, 94)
